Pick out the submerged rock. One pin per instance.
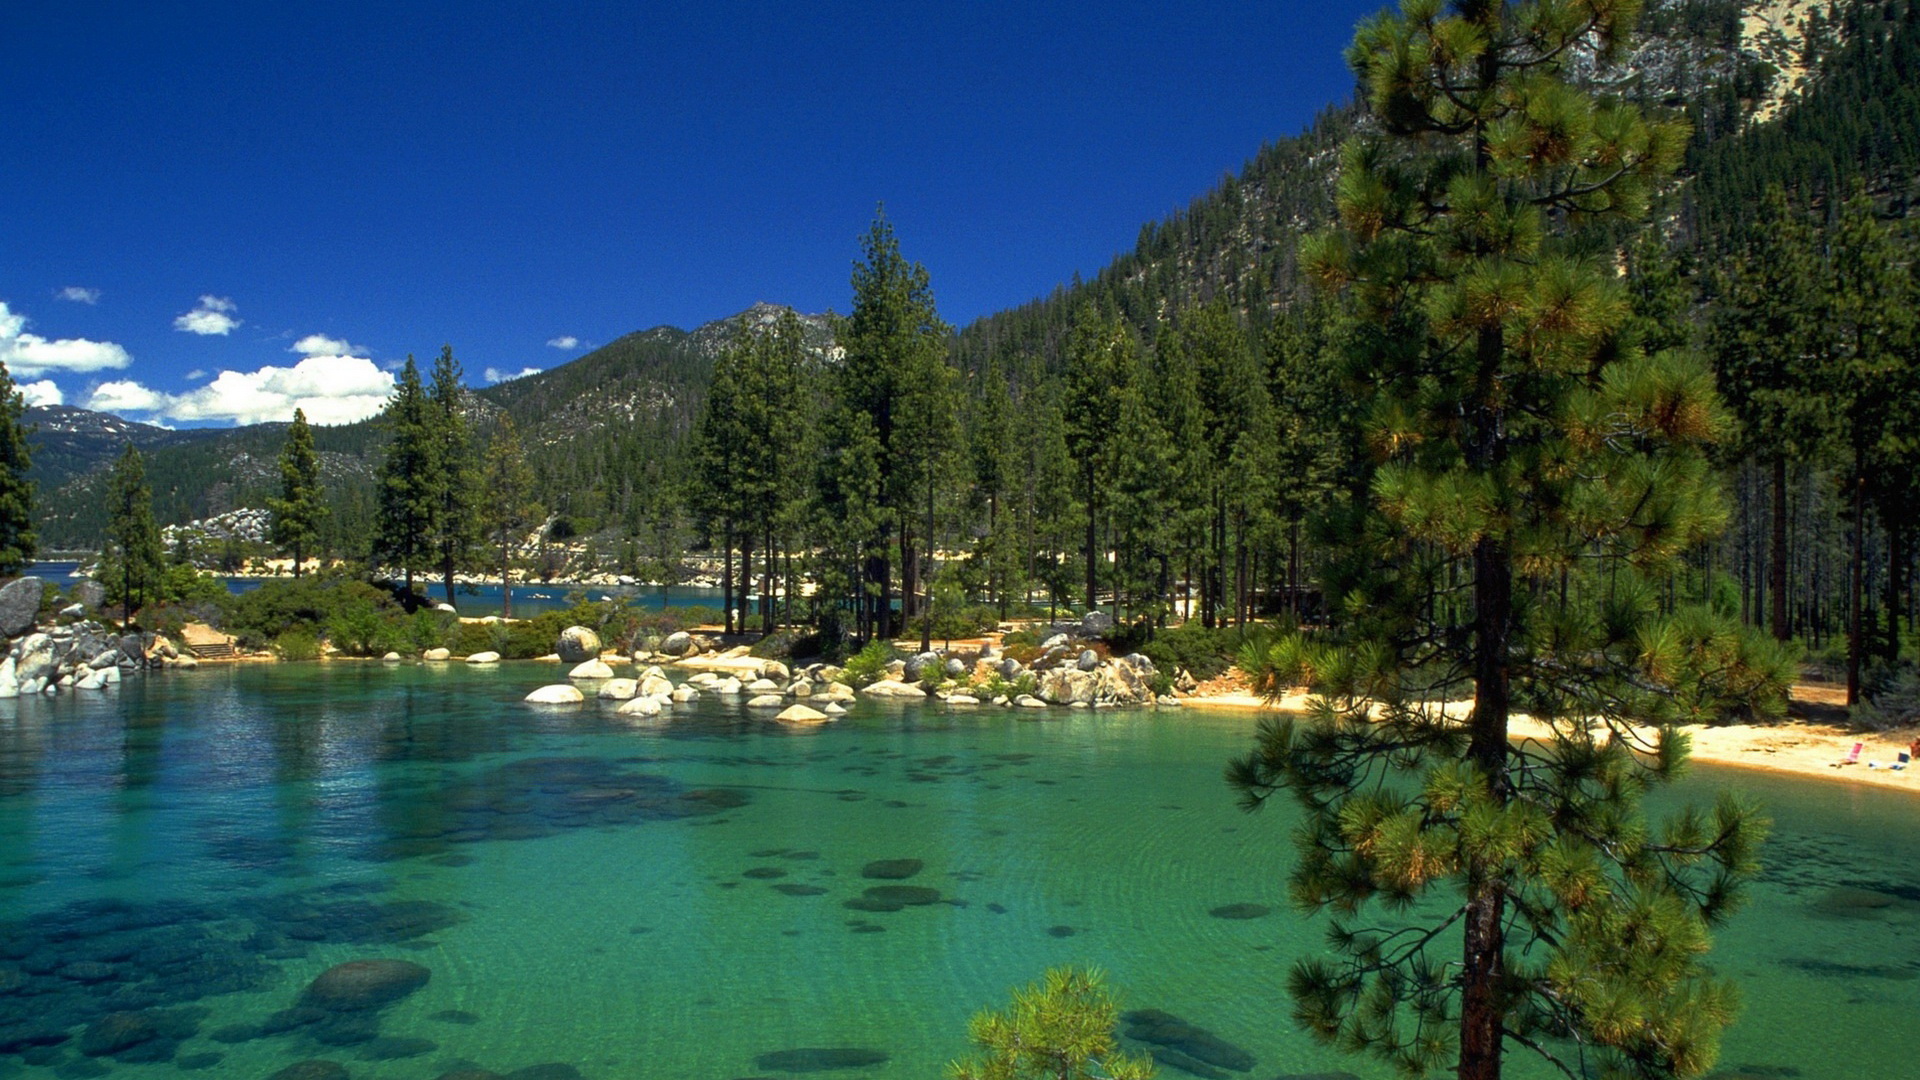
(1167, 1030)
(365, 984)
(312, 1069)
(891, 869)
(819, 1059)
(1240, 911)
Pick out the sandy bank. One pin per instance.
(1794, 747)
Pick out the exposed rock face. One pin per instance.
(577, 644)
(1095, 624)
(19, 603)
(88, 593)
(556, 695)
(364, 984)
(1109, 684)
(37, 661)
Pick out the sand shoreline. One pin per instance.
(1799, 748)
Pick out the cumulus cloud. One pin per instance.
(495, 375)
(79, 295)
(41, 393)
(564, 341)
(31, 354)
(214, 315)
(331, 389)
(322, 345)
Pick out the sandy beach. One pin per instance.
(1796, 746)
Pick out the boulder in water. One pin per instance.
(437, 654)
(891, 869)
(801, 714)
(364, 984)
(556, 695)
(591, 669)
(618, 689)
(488, 657)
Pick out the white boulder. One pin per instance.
(556, 695)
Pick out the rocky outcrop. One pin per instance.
(893, 688)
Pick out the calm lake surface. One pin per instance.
(670, 901)
(484, 599)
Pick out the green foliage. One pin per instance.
(296, 644)
(1531, 477)
(870, 662)
(355, 617)
(18, 542)
(1060, 1028)
(1718, 670)
(453, 480)
(409, 485)
(1204, 652)
(131, 565)
(301, 508)
(784, 644)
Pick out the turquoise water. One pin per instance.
(671, 900)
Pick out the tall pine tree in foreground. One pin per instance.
(1533, 479)
(17, 541)
(301, 507)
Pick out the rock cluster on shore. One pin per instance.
(1070, 671)
(81, 655)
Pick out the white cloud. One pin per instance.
(322, 345)
(564, 341)
(495, 375)
(31, 354)
(124, 395)
(331, 389)
(41, 393)
(79, 295)
(213, 316)
(196, 374)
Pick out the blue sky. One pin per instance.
(213, 212)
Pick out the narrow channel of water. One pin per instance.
(705, 897)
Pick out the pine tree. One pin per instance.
(1763, 339)
(17, 540)
(895, 347)
(409, 488)
(451, 480)
(1532, 478)
(1102, 355)
(301, 508)
(507, 505)
(1060, 1028)
(1869, 320)
(135, 563)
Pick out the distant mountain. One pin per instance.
(598, 430)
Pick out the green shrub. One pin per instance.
(297, 644)
(1020, 637)
(869, 663)
(788, 643)
(1191, 645)
(997, 686)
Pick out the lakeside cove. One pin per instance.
(714, 893)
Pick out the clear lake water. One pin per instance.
(718, 896)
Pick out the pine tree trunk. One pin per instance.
(1777, 557)
(766, 587)
(1856, 589)
(446, 571)
(1093, 599)
(926, 607)
(506, 575)
(1896, 566)
(746, 574)
(726, 576)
